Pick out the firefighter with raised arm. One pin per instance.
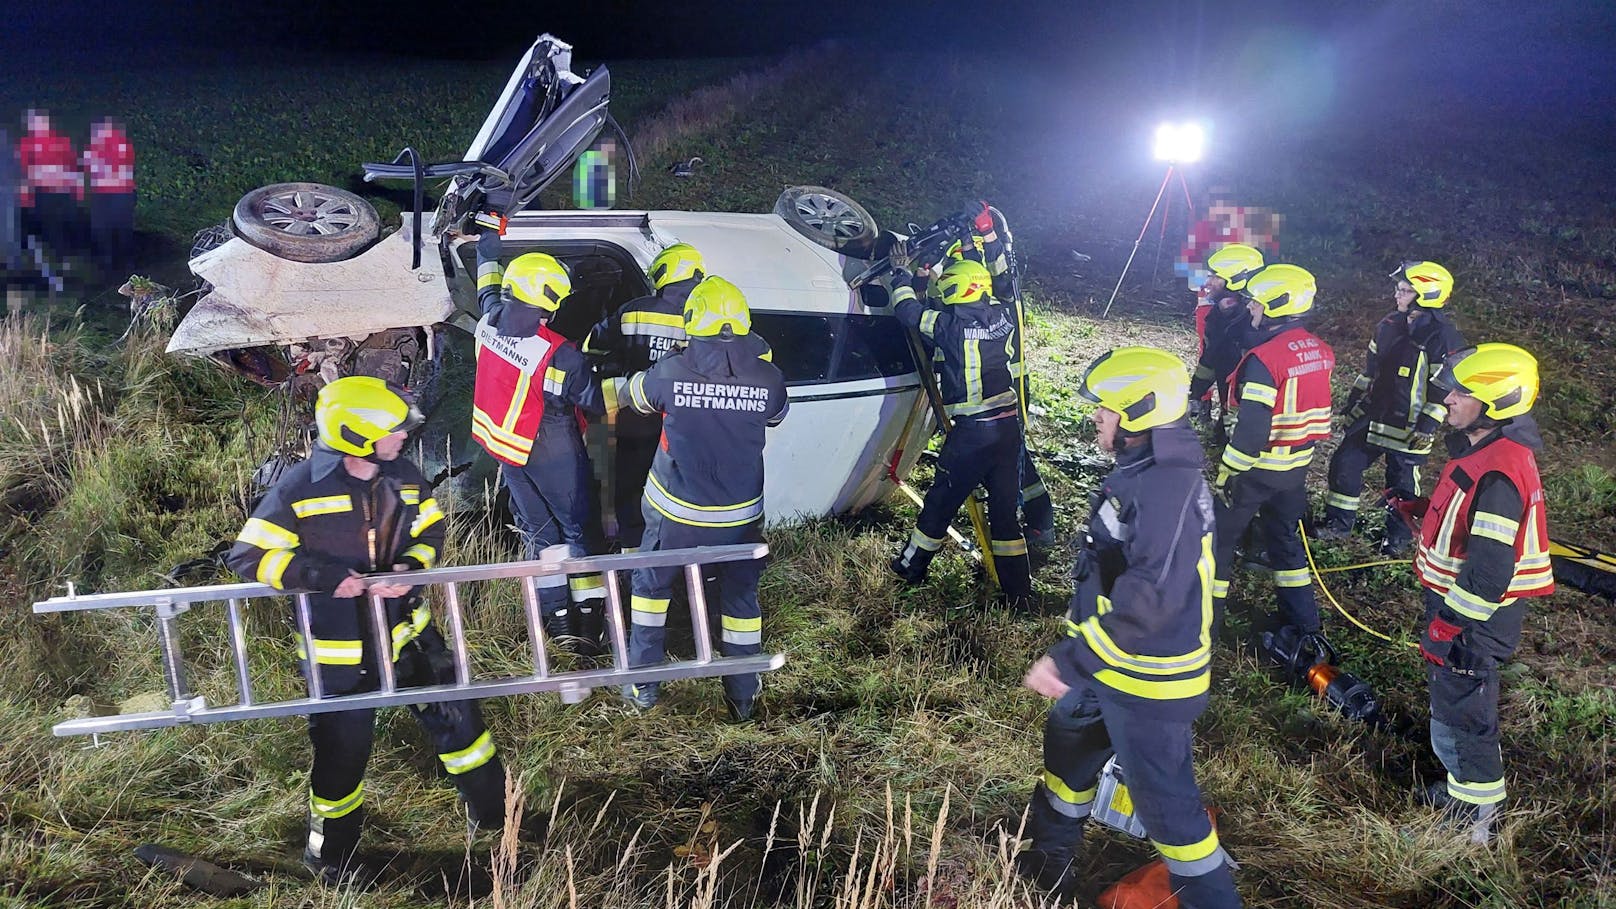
(979, 344)
(1483, 551)
(632, 340)
(1394, 411)
(534, 390)
(1280, 396)
(717, 398)
(1221, 321)
(355, 507)
(1133, 672)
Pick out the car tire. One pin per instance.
(306, 222)
(830, 219)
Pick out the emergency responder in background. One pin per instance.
(1280, 395)
(52, 185)
(533, 391)
(1393, 411)
(634, 339)
(355, 507)
(979, 343)
(109, 163)
(1483, 550)
(1221, 322)
(716, 397)
(1133, 672)
(11, 244)
(986, 246)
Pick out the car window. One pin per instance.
(816, 349)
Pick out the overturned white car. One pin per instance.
(305, 291)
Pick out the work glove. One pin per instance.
(899, 255)
(1437, 640)
(983, 222)
(1354, 407)
(1422, 441)
(1223, 487)
(899, 277)
(1411, 511)
(1200, 411)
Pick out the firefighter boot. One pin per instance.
(740, 711)
(1048, 863)
(592, 627)
(641, 697)
(1475, 821)
(911, 563)
(561, 627)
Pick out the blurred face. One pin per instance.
(37, 122)
(1107, 421)
(1216, 285)
(1404, 295)
(1463, 410)
(389, 447)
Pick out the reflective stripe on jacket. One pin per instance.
(1299, 364)
(979, 345)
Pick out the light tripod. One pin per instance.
(1175, 144)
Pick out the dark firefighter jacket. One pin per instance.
(1221, 347)
(642, 331)
(716, 397)
(1139, 623)
(1395, 384)
(318, 523)
(980, 348)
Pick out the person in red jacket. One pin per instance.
(1483, 551)
(109, 163)
(52, 186)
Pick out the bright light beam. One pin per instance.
(1180, 143)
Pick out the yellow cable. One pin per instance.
(1361, 565)
(1313, 566)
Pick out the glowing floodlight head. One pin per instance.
(1180, 143)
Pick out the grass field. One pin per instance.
(896, 744)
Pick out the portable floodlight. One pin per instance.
(1180, 143)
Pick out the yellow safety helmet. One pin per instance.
(1235, 264)
(1432, 283)
(964, 281)
(1501, 376)
(537, 279)
(355, 412)
(714, 305)
(1283, 290)
(1147, 387)
(679, 262)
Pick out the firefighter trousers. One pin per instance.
(1351, 460)
(732, 585)
(1081, 733)
(985, 453)
(1037, 510)
(342, 743)
(636, 446)
(1464, 704)
(552, 500)
(1276, 500)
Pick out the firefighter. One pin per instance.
(534, 389)
(1483, 551)
(716, 397)
(109, 163)
(1280, 397)
(987, 247)
(634, 339)
(1220, 317)
(1133, 672)
(52, 185)
(1393, 411)
(979, 343)
(356, 506)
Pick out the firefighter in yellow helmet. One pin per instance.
(1483, 551)
(356, 507)
(631, 340)
(1220, 321)
(980, 344)
(1133, 672)
(717, 398)
(534, 391)
(1280, 397)
(1394, 410)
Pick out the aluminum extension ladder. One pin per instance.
(573, 686)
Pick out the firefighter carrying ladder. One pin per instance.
(573, 686)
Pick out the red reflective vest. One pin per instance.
(110, 163)
(508, 402)
(48, 165)
(1445, 530)
(1300, 364)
